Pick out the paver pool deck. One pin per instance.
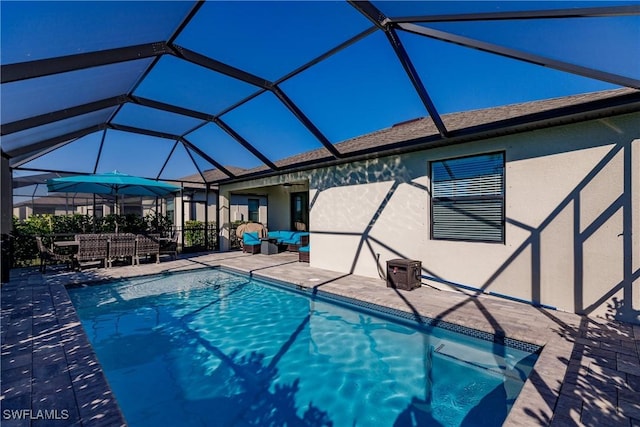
(588, 372)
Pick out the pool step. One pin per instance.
(493, 364)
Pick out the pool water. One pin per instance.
(215, 348)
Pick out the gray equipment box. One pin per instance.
(404, 274)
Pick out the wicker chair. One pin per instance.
(48, 255)
(304, 254)
(92, 249)
(121, 245)
(251, 242)
(147, 246)
(170, 247)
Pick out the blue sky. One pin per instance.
(358, 90)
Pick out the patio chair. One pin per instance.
(147, 246)
(170, 246)
(48, 255)
(251, 242)
(250, 227)
(121, 245)
(92, 250)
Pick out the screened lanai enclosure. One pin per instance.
(205, 94)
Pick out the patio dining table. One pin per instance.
(66, 244)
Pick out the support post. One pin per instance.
(224, 217)
(6, 218)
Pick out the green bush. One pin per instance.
(194, 233)
(158, 223)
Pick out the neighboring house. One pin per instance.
(61, 205)
(44, 205)
(516, 201)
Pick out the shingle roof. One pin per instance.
(213, 175)
(528, 114)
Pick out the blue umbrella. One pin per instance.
(114, 183)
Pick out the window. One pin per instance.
(468, 198)
(43, 210)
(254, 210)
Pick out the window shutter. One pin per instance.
(468, 198)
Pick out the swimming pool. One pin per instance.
(213, 347)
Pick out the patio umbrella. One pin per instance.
(113, 183)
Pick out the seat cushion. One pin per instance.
(251, 238)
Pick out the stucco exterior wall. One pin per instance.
(571, 202)
(240, 207)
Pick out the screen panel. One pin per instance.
(359, 90)
(154, 119)
(177, 82)
(459, 78)
(33, 135)
(134, 154)
(223, 148)
(77, 156)
(616, 40)
(271, 128)
(65, 90)
(270, 39)
(42, 29)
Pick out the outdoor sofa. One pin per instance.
(293, 240)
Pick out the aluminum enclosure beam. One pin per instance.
(44, 144)
(16, 162)
(205, 156)
(43, 119)
(220, 67)
(378, 18)
(402, 55)
(141, 131)
(522, 56)
(171, 108)
(588, 12)
(305, 121)
(62, 64)
(371, 12)
(233, 134)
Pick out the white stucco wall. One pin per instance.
(568, 206)
(239, 207)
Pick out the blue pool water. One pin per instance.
(215, 348)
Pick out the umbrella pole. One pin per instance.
(116, 210)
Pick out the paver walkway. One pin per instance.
(587, 374)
